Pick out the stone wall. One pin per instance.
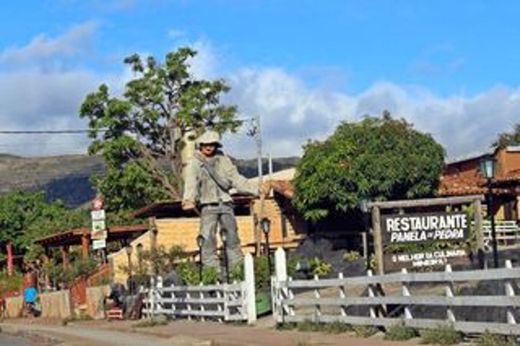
(95, 301)
(57, 304)
(14, 307)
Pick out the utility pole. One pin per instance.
(258, 138)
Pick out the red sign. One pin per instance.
(98, 203)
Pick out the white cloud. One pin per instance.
(292, 111)
(42, 48)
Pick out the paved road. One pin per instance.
(7, 340)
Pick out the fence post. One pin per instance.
(280, 277)
(250, 298)
(317, 311)
(342, 295)
(406, 293)
(220, 306)
(371, 294)
(510, 292)
(201, 305)
(449, 294)
(151, 297)
(174, 307)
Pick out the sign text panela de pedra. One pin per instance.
(407, 229)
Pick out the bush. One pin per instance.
(261, 266)
(310, 326)
(442, 335)
(351, 256)
(364, 331)
(320, 267)
(400, 332)
(490, 339)
(10, 283)
(189, 272)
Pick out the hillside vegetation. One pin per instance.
(68, 177)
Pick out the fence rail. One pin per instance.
(221, 302)
(328, 300)
(507, 232)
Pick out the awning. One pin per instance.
(73, 236)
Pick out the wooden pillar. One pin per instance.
(85, 245)
(10, 261)
(378, 239)
(46, 260)
(65, 256)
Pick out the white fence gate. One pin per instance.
(222, 302)
(332, 300)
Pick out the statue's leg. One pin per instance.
(208, 229)
(234, 252)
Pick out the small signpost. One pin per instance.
(401, 239)
(99, 231)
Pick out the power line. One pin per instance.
(45, 132)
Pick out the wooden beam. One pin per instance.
(85, 245)
(426, 202)
(378, 240)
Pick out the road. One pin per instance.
(7, 340)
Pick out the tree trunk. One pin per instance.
(10, 264)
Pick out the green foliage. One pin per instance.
(442, 335)
(261, 267)
(10, 283)
(310, 326)
(26, 216)
(351, 256)
(377, 158)
(400, 332)
(490, 339)
(320, 267)
(508, 138)
(190, 274)
(364, 331)
(77, 268)
(148, 126)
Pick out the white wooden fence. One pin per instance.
(221, 302)
(291, 301)
(507, 231)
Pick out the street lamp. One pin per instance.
(200, 243)
(129, 250)
(223, 236)
(265, 224)
(488, 170)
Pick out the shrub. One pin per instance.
(351, 256)
(400, 332)
(490, 339)
(261, 266)
(320, 267)
(189, 272)
(10, 283)
(442, 335)
(364, 331)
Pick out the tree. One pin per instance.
(146, 128)
(508, 138)
(26, 216)
(376, 159)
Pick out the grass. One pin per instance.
(400, 332)
(310, 326)
(442, 335)
(490, 339)
(364, 331)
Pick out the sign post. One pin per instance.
(99, 231)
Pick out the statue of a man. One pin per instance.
(210, 176)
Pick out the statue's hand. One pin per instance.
(188, 205)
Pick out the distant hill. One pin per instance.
(68, 177)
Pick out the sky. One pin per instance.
(448, 67)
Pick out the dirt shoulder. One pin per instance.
(185, 333)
